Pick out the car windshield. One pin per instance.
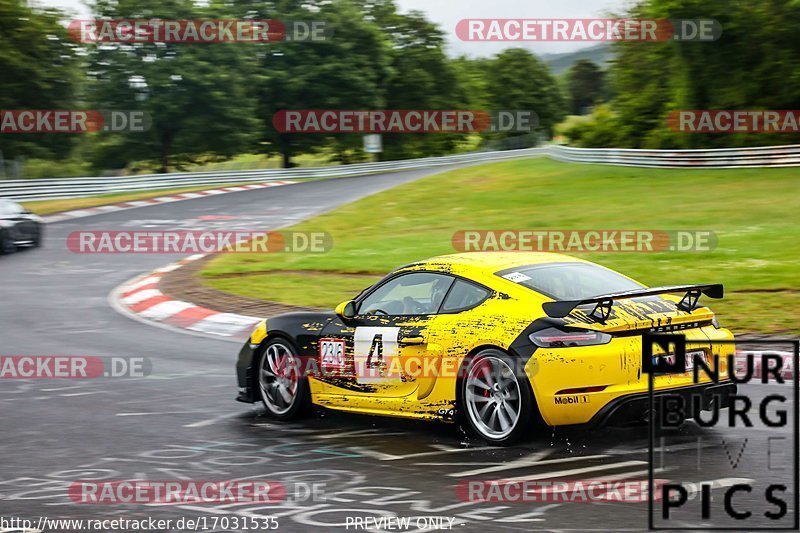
(569, 281)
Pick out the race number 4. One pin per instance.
(374, 351)
(331, 353)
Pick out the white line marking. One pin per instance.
(211, 421)
(445, 451)
(720, 483)
(141, 283)
(161, 413)
(168, 268)
(79, 213)
(165, 309)
(225, 324)
(141, 296)
(531, 460)
(373, 453)
(359, 432)
(634, 474)
(575, 471)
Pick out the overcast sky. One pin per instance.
(446, 13)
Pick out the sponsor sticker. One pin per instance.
(571, 399)
(517, 277)
(331, 353)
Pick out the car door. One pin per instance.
(460, 324)
(382, 351)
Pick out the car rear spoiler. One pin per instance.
(561, 308)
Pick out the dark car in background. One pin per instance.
(18, 227)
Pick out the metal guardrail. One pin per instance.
(768, 156)
(46, 189)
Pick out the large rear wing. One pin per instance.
(561, 308)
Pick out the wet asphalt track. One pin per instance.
(182, 422)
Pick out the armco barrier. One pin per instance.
(768, 156)
(45, 189)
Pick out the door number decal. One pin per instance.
(331, 353)
(375, 350)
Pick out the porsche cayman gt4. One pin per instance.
(502, 342)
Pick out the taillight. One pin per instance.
(555, 338)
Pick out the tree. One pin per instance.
(753, 65)
(420, 76)
(195, 94)
(518, 80)
(585, 85)
(40, 70)
(344, 71)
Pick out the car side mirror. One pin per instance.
(346, 310)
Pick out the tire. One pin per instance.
(281, 385)
(37, 241)
(494, 401)
(7, 246)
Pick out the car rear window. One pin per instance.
(569, 281)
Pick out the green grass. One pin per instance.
(754, 212)
(257, 161)
(296, 288)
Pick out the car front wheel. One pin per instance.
(7, 245)
(496, 398)
(283, 387)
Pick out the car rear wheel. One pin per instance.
(284, 390)
(496, 400)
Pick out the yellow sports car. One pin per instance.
(499, 341)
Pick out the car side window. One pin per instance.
(419, 293)
(464, 295)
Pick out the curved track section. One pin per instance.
(182, 423)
